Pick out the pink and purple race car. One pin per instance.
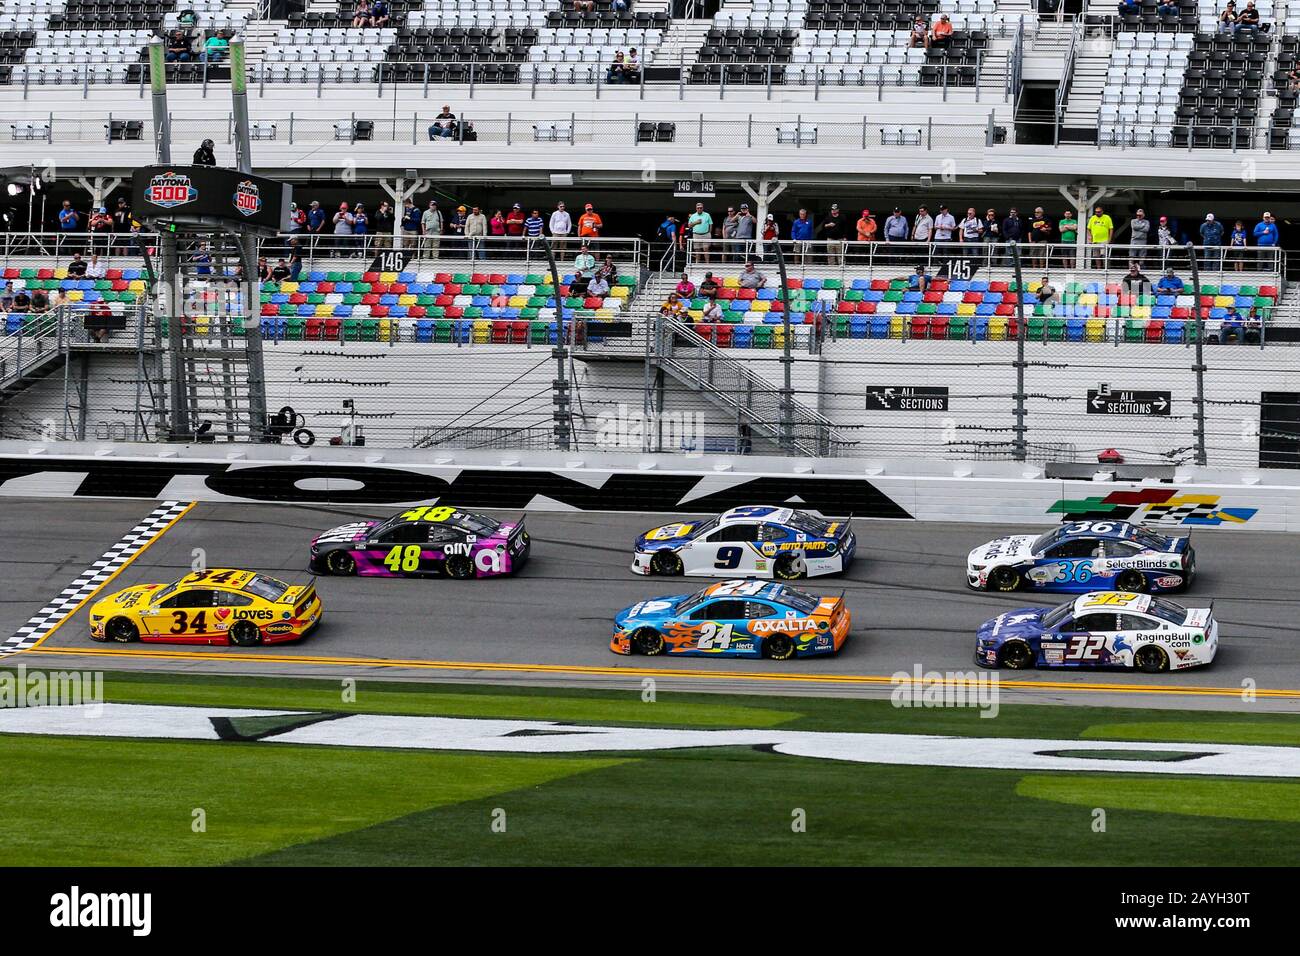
(423, 542)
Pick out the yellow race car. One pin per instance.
(217, 606)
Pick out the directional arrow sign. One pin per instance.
(1128, 402)
(907, 398)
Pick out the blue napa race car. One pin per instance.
(758, 541)
(743, 618)
(1084, 556)
(1101, 629)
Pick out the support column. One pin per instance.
(99, 187)
(399, 192)
(1083, 202)
(763, 197)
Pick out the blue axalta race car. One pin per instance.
(758, 541)
(1084, 556)
(1109, 629)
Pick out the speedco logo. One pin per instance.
(77, 909)
(170, 189)
(786, 625)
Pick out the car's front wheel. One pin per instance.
(1003, 579)
(459, 566)
(1016, 656)
(778, 647)
(340, 562)
(244, 634)
(122, 630)
(790, 567)
(648, 641)
(667, 563)
(1151, 659)
(1131, 580)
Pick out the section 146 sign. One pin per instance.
(907, 398)
(701, 188)
(1128, 402)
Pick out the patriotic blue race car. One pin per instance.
(1084, 556)
(1101, 629)
(756, 541)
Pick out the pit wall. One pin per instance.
(921, 490)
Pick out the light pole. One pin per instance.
(560, 399)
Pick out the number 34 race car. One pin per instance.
(1084, 556)
(1101, 629)
(734, 619)
(757, 541)
(423, 542)
(217, 606)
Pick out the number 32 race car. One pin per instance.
(217, 606)
(1084, 556)
(734, 619)
(1101, 629)
(757, 541)
(423, 542)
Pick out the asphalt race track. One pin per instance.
(906, 592)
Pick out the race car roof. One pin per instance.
(1111, 601)
(757, 512)
(229, 578)
(762, 590)
(1098, 529)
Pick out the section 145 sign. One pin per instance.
(907, 398)
(700, 188)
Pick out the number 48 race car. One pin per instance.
(756, 540)
(1084, 556)
(1101, 629)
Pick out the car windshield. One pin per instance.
(1057, 614)
(801, 601)
(159, 596)
(481, 525)
(1168, 611)
(267, 587)
(809, 524)
(704, 527)
(1047, 540)
(693, 601)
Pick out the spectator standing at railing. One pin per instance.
(1040, 235)
(361, 225)
(1068, 230)
(515, 219)
(101, 229)
(533, 227)
(833, 233)
(476, 229)
(700, 225)
(122, 227)
(295, 259)
(1212, 239)
(455, 230)
(589, 223)
(866, 227)
(344, 220)
(745, 226)
(922, 226)
(69, 220)
(382, 225)
(316, 218)
(771, 235)
(1238, 242)
(561, 227)
(801, 232)
(730, 250)
(1139, 234)
(1265, 233)
(1165, 238)
(427, 224)
(497, 230)
(971, 230)
(992, 229)
(896, 229)
(1101, 228)
(1012, 230)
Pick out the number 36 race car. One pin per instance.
(217, 606)
(423, 542)
(757, 541)
(1084, 556)
(1101, 629)
(734, 619)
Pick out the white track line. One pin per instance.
(53, 614)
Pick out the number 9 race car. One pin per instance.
(1084, 556)
(423, 542)
(756, 541)
(217, 606)
(745, 618)
(1101, 629)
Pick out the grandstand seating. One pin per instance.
(1149, 19)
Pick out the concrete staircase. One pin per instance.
(1083, 101)
(681, 43)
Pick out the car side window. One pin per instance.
(1136, 622)
(754, 610)
(193, 597)
(1074, 548)
(773, 532)
(720, 611)
(1121, 549)
(412, 533)
(230, 599)
(443, 535)
(745, 531)
(1095, 622)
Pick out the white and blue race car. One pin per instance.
(1101, 629)
(757, 541)
(1084, 556)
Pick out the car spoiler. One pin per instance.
(848, 525)
(307, 589)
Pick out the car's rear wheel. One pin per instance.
(1151, 659)
(340, 562)
(667, 563)
(244, 634)
(648, 641)
(459, 566)
(1003, 579)
(778, 647)
(790, 567)
(1131, 580)
(122, 630)
(1016, 656)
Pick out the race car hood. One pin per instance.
(650, 610)
(668, 536)
(344, 533)
(1020, 622)
(1002, 550)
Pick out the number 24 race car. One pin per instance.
(1101, 629)
(756, 540)
(1084, 556)
(422, 542)
(217, 606)
(744, 618)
